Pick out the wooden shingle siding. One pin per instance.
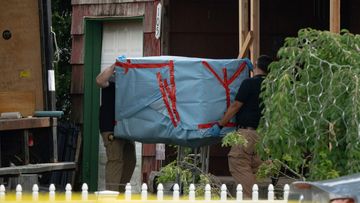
(152, 46)
(77, 101)
(77, 56)
(78, 14)
(77, 76)
(105, 10)
(150, 17)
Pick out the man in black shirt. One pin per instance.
(120, 153)
(243, 160)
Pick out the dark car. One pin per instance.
(345, 189)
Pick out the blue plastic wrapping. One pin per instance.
(174, 100)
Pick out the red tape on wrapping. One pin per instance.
(140, 65)
(227, 89)
(237, 73)
(173, 101)
(167, 92)
(209, 125)
(225, 83)
(165, 98)
(173, 89)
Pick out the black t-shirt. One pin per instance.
(107, 108)
(248, 93)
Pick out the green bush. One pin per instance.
(312, 105)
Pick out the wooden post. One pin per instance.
(255, 27)
(335, 16)
(243, 22)
(246, 44)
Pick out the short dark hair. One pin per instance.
(263, 62)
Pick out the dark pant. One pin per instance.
(121, 160)
(244, 162)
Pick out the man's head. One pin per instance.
(263, 62)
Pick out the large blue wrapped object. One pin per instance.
(174, 100)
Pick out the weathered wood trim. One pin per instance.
(92, 61)
(77, 53)
(77, 2)
(93, 32)
(77, 79)
(255, 27)
(246, 44)
(243, 22)
(27, 123)
(37, 168)
(335, 16)
(105, 11)
(113, 18)
(165, 28)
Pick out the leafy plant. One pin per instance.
(233, 138)
(61, 24)
(312, 105)
(185, 172)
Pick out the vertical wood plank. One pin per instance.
(335, 16)
(26, 146)
(243, 22)
(255, 27)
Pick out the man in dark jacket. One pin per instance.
(247, 107)
(120, 153)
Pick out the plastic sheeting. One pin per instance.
(175, 100)
(327, 190)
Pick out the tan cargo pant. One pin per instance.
(121, 160)
(244, 162)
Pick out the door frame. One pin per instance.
(93, 28)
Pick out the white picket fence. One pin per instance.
(130, 197)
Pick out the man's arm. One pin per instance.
(232, 110)
(102, 80)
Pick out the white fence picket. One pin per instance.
(35, 192)
(84, 191)
(160, 192)
(52, 192)
(18, 192)
(286, 191)
(176, 192)
(128, 191)
(239, 192)
(255, 193)
(2, 192)
(207, 192)
(192, 192)
(68, 189)
(144, 189)
(223, 193)
(271, 192)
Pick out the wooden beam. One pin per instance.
(18, 101)
(255, 27)
(246, 44)
(27, 123)
(335, 16)
(36, 168)
(243, 22)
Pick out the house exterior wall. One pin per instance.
(151, 44)
(109, 9)
(21, 68)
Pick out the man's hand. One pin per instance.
(102, 80)
(214, 131)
